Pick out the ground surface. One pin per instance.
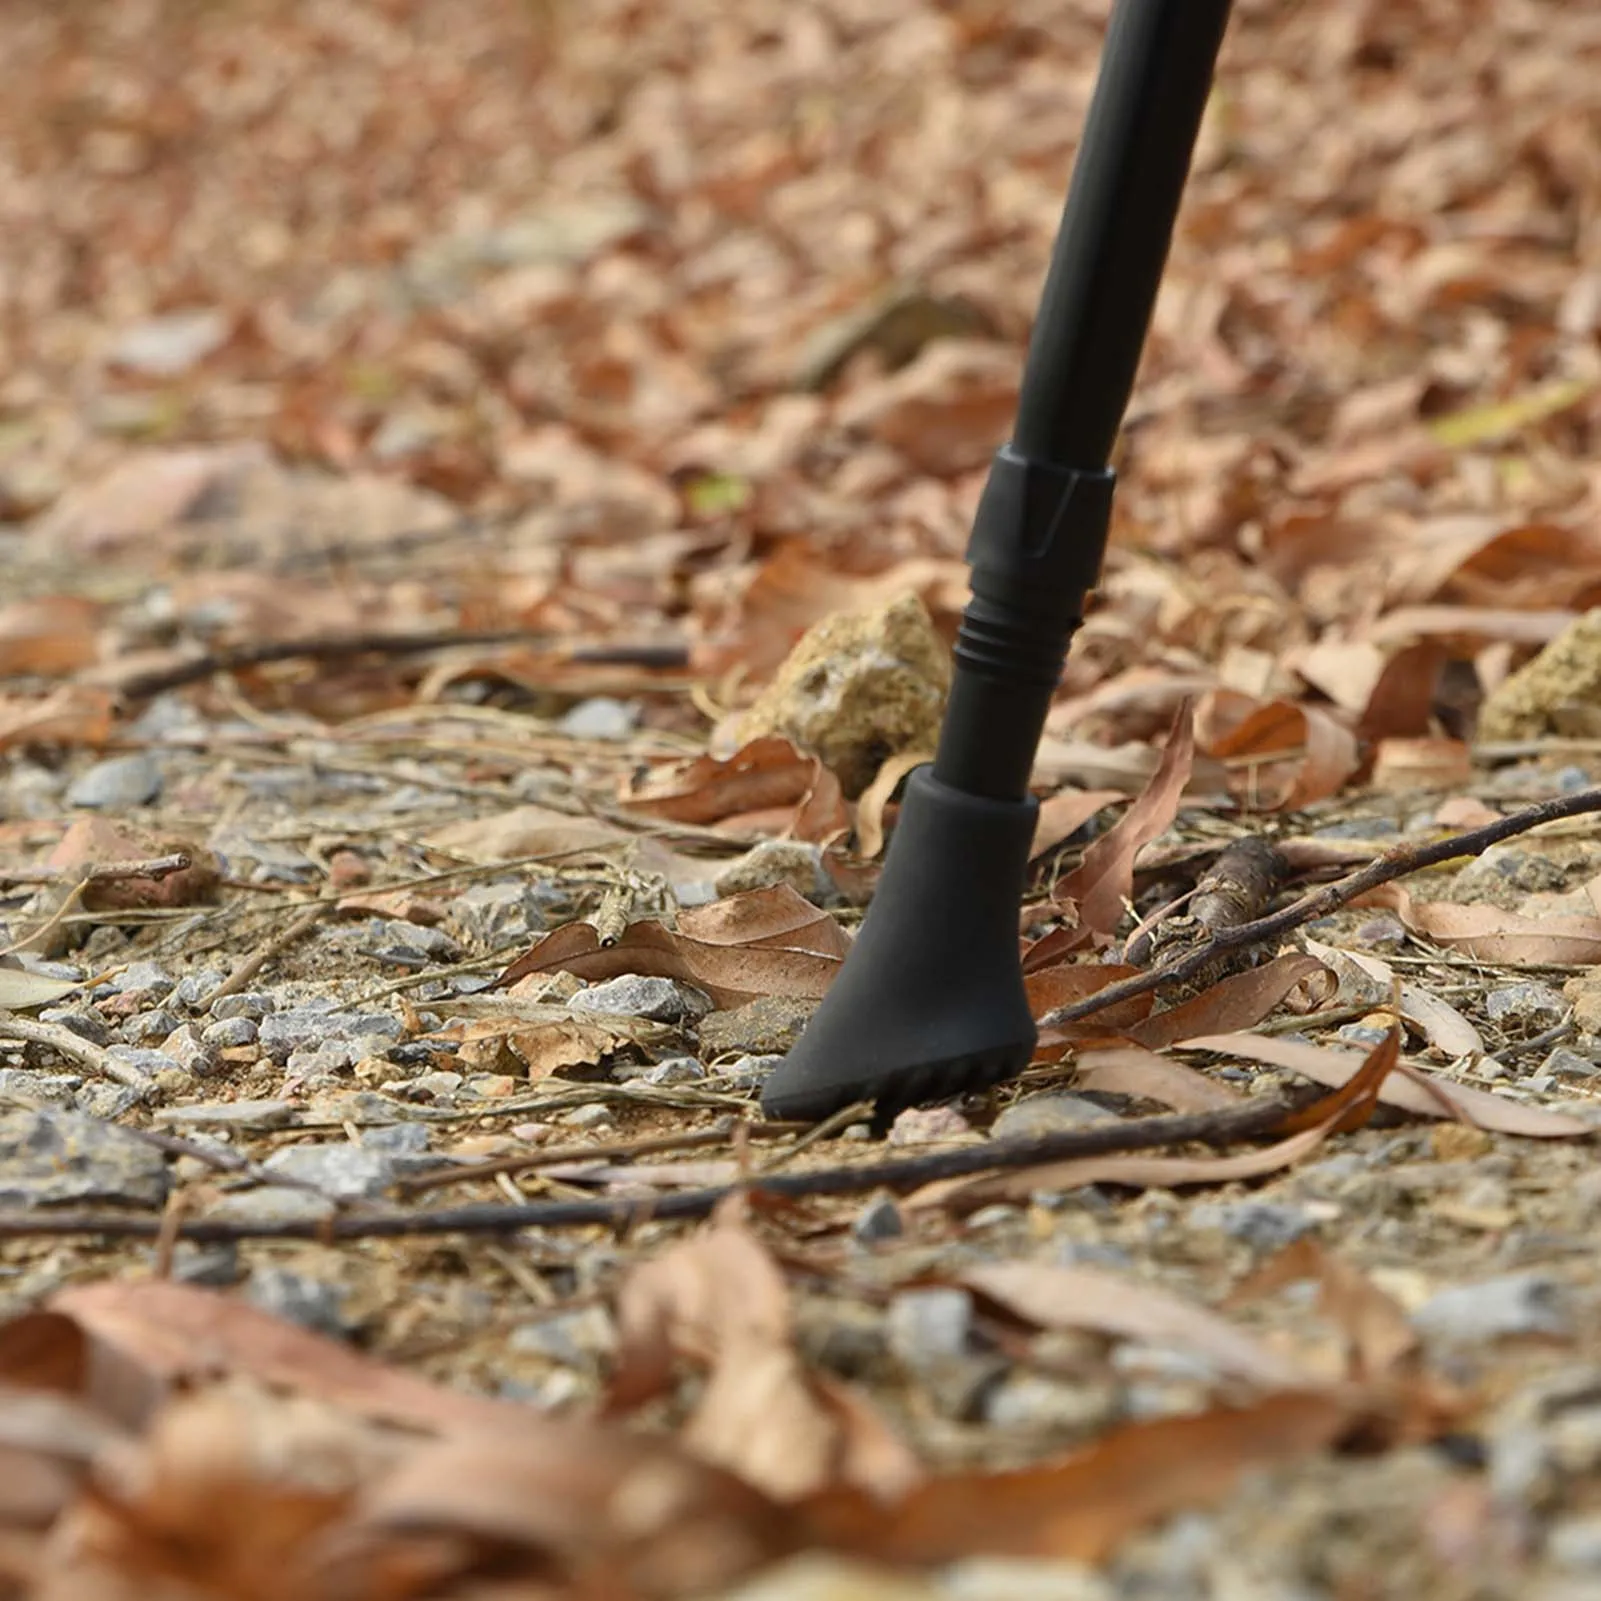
(535, 377)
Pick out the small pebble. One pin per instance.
(271, 1204)
(195, 987)
(775, 861)
(1563, 1063)
(747, 1072)
(1047, 1113)
(1263, 1225)
(139, 1059)
(25, 1085)
(229, 1033)
(254, 1004)
(86, 1025)
(214, 1266)
(144, 979)
(1529, 1006)
(1514, 1304)
(143, 1027)
(111, 1101)
(118, 782)
(677, 1070)
(344, 1171)
(192, 1053)
(575, 1339)
(298, 1298)
(633, 995)
(925, 1325)
(600, 717)
(49, 1157)
(595, 1115)
(879, 1220)
(1033, 1402)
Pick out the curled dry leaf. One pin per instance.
(1052, 1297)
(1374, 980)
(1064, 814)
(1412, 1090)
(765, 942)
(50, 636)
(720, 1301)
(872, 801)
(1133, 1071)
(1099, 887)
(1292, 755)
(764, 776)
(1084, 1507)
(526, 831)
(1494, 935)
(179, 1332)
(74, 714)
(1347, 1107)
(91, 840)
(1068, 982)
(1244, 998)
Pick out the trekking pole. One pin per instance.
(930, 1001)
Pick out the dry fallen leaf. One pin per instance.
(765, 942)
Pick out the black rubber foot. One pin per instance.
(930, 1001)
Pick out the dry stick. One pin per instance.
(74, 1047)
(1395, 863)
(258, 959)
(1226, 1126)
(557, 1155)
(337, 647)
(98, 872)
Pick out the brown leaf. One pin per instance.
(1307, 1129)
(1084, 1507)
(1065, 813)
(51, 636)
(1101, 884)
(1409, 765)
(765, 942)
(598, 1512)
(1067, 982)
(871, 802)
(526, 831)
(1243, 998)
(1134, 1071)
(70, 715)
(720, 1301)
(92, 840)
(1381, 1344)
(1413, 1090)
(1303, 754)
(1108, 1303)
(1494, 935)
(767, 774)
(179, 1332)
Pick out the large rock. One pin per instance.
(53, 1158)
(1556, 693)
(857, 689)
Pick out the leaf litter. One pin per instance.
(397, 544)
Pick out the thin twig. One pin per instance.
(98, 872)
(610, 1151)
(258, 959)
(1255, 1119)
(340, 647)
(858, 1112)
(74, 1047)
(1397, 862)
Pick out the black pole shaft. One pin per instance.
(1155, 77)
(1041, 528)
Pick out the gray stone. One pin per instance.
(397, 1139)
(576, 1339)
(193, 988)
(659, 999)
(228, 1033)
(1036, 1403)
(86, 1025)
(879, 1220)
(600, 717)
(259, 1115)
(271, 1204)
(346, 1172)
(747, 1072)
(1514, 1304)
(1361, 1034)
(926, 1326)
(1263, 1225)
(1525, 1007)
(1048, 1112)
(108, 1101)
(495, 915)
(676, 1070)
(214, 1266)
(331, 1057)
(1510, 867)
(775, 861)
(190, 1051)
(143, 1027)
(254, 1004)
(1563, 1063)
(442, 1085)
(595, 1115)
(54, 1158)
(298, 1298)
(144, 979)
(306, 1027)
(117, 782)
(431, 942)
(769, 1026)
(137, 1059)
(1574, 1542)
(39, 1089)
